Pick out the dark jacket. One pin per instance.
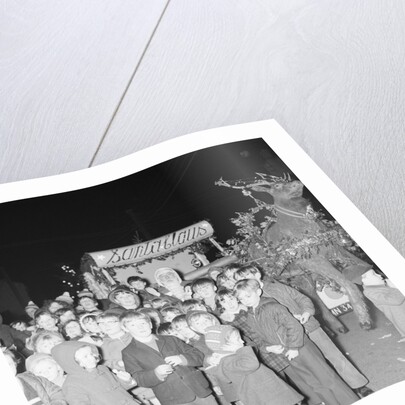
(183, 385)
(292, 299)
(99, 387)
(276, 325)
(256, 384)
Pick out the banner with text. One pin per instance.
(153, 248)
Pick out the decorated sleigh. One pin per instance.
(182, 250)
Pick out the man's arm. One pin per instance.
(288, 329)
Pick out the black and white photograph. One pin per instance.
(214, 277)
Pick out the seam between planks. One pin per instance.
(129, 84)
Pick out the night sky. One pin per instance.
(39, 235)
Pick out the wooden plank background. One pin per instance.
(83, 83)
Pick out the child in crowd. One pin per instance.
(168, 313)
(37, 390)
(87, 382)
(65, 314)
(167, 329)
(154, 316)
(255, 383)
(199, 321)
(205, 289)
(286, 337)
(44, 320)
(228, 305)
(43, 342)
(89, 325)
(164, 363)
(224, 390)
(223, 281)
(387, 298)
(139, 286)
(72, 330)
(193, 305)
(44, 365)
(302, 308)
(122, 299)
(87, 302)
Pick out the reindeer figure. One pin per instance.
(296, 219)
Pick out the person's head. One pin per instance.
(89, 304)
(43, 342)
(109, 323)
(45, 320)
(248, 271)
(89, 324)
(167, 329)
(167, 277)
(199, 321)
(230, 270)
(204, 287)
(168, 313)
(123, 296)
(223, 281)
(371, 278)
(180, 325)
(65, 314)
(44, 365)
(248, 292)
(11, 360)
(223, 339)
(72, 329)
(136, 283)
(19, 325)
(154, 316)
(158, 303)
(193, 305)
(227, 301)
(30, 309)
(137, 324)
(87, 357)
(53, 306)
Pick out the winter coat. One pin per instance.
(256, 384)
(81, 387)
(391, 302)
(275, 325)
(183, 385)
(292, 299)
(39, 387)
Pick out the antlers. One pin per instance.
(263, 180)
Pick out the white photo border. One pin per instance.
(375, 245)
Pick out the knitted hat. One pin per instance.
(85, 293)
(215, 338)
(33, 360)
(65, 297)
(122, 288)
(31, 306)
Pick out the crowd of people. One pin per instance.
(231, 337)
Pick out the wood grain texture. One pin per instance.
(64, 66)
(330, 72)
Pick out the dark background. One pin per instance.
(41, 234)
